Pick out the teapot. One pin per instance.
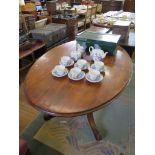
(75, 55)
(80, 48)
(97, 54)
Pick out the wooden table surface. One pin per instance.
(64, 97)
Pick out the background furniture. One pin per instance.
(51, 7)
(51, 34)
(128, 43)
(88, 16)
(111, 5)
(129, 6)
(71, 23)
(41, 23)
(27, 57)
(29, 8)
(67, 98)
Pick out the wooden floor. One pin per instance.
(26, 112)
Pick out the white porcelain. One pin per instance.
(93, 74)
(97, 54)
(98, 65)
(75, 72)
(76, 55)
(79, 77)
(59, 71)
(65, 60)
(80, 48)
(99, 79)
(82, 64)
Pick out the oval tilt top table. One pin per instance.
(67, 98)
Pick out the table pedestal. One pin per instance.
(93, 126)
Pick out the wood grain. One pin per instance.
(64, 97)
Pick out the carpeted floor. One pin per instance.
(73, 136)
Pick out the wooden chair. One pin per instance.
(80, 22)
(86, 20)
(93, 12)
(88, 17)
(99, 8)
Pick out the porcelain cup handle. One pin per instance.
(91, 48)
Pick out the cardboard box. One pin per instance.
(106, 42)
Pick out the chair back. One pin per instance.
(99, 8)
(88, 12)
(93, 10)
(88, 15)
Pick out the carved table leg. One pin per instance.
(47, 117)
(93, 126)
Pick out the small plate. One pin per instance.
(72, 62)
(56, 75)
(81, 76)
(93, 67)
(83, 68)
(92, 81)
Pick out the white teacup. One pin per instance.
(60, 69)
(81, 63)
(75, 72)
(65, 60)
(99, 65)
(76, 55)
(93, 74)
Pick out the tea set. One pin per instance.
(77, 72)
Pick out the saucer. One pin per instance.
(100, 78)
(93, 67)
(81, 76)
(54, 73)
(68, 65)
(83, 68)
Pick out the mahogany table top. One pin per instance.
(64, 97)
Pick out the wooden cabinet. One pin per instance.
(111, 5)
(129, 6)
(28, 56)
